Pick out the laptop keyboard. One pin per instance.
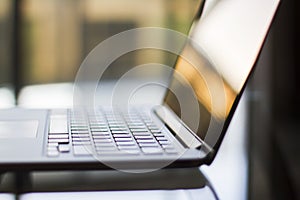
(106, 133)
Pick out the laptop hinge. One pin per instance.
(178, 129)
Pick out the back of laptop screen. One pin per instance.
(215, 63)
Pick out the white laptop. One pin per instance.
(186, 130)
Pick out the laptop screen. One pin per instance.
(215, 64)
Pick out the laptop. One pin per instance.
(185, 130)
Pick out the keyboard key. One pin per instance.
(100, 126)
(78, 123)
(128, 147)
(138, 130)
(63, 148)
(95, 137)
(53, 153)
(131, 124)
(115, 123)
(84, 139)
(100, 133)
(80, 131)
(137, 126)
(142, 134)
(126, 143)
(59, 141)
(164, 142)
(122, 135)
(153, 128)
(57, 133)
(82, 150)
(161, 138)
(99, 129)
(104, 145)
(149, 122)
(58, 136)
(119, 132)
(106, 148)
(58, 123)
(146, 141)
(81, 135)
(123, 139)
(149, 145)
(52, 148)
(79, 126)
(105, 140)
(167, 146)
(81, 143)
(158, 134)
(53, 144)
(144, 137)
(117, 127)
(134, 121)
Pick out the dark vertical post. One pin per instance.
(297, 55)
(16, 46)
(22, 183)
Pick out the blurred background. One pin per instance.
(274, 135)
(45, 41)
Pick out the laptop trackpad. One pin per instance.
(18, 129)
(22, 133)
